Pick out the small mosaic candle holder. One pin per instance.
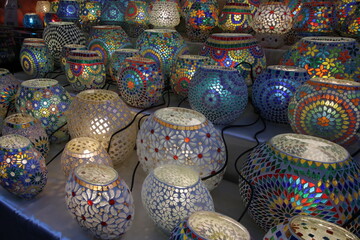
(32, 20)
(183, 193)
(204, 225)
(22, 168)
(118, 58)
(25, 125)
(66, 51)
(8, 87)
(136, 18)
(107, 208)
(274, 88)
(218, 92)
(164, 14)
(68, 10)
(295, 174)
(112, 13)
(99, 114)
(83, 150)
(236, 17)
(182, 136)
(85, 69)
(36, 60)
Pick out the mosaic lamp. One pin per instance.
(90, 13)
(118, 58)
(236, 17)
(112, 13)
(68, 10)
(274, 88)
(306, 227)
(327, 108)
(136, 18)
(181, 191)
(326, 57)
(164, 14)
(182, 136)
(205, 225)
(36, 59)
(22, 168)
(8, 87)
(32, 20)
(218, 92)
(99, 114)
(66, 51)
(54, 5)
(347, 18)
(42, 7)
(296, 174)
(107, 209)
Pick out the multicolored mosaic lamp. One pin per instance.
(170, 181)
(22, 168)
(32, 20)
(66, 51)
(182, 136)
(36, 60)
(236, 17)
(8, 87)
(107, 208)
(347, 18)
(54, 5)
(68, 10)
(295, 174)
(273, 89)
(118, 58)
(164, 14)
(137, 16)
(90, 13)
(112, 13)
(326, 57)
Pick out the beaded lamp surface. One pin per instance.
(25, 125)
(68, 10)
(22, 168)
(326, 57)
(118, 58)
(66, 51)
(112, 13)
(83, 150)
(36, 59)
(164, 14)
(8, 87)
(273, 89)
(327, 108)
(32, 20)
(235, 17)
(99, 200)
(85, 69)
(140, 82)
(295, 174)
(182, 194)
(99, 114)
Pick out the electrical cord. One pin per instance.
(133, 176)
(355, 153)
(183, 100)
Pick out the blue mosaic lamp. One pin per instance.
(118, 58)
(68, 10)
(32, 20)
(273, 89)
(36, 60)
(112, 13)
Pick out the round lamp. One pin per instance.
(347, 18)
(112, 13)
(136, 18)
(54, 5)
(32, 20)
(8, 87)
(42, 7)
(68, 10)
(235, 17)
(66, 51)
(90, 12)
(164, 14)
(36, 60)
(118, 58)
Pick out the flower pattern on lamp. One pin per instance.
(85, 69)
(327, 108)
(100, 200)
(164, 14)
(25, 125)
(347, 17)
(295, 174)
(32, 20)
(8, 87)
(140, 82)
(204, 225)
(83, 150)
(273, 89)
(90, 12)
(236, 17)
(118, 58)
(326, 57)
(218, 92)
(136, 18)
(22, 168)
(66, 51)
(183, 71)
(170, 193)
(68, 10)
(203, 16)
(36, 59)
(112, 13)
(99, 114)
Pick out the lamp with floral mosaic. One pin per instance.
(347, 18)
(36, 60)
(236, 17)
(90, 13)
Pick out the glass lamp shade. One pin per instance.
(273, 89)
(46, 100)
(36, 60)
(183, 71)
(307, 227)
(99, 114)
(107, 208)
(163, 46)
(25, 125)
(118, 58)
(164, 14)
(42, 7)
(170, 193)
(8, 88)
(90, 12)
(85, 69)
(204, 225)
(112, 13)
(83, 150)
(66, 51)
(235, 17)
(295, 174)
(68, 10)
(327, 108)
(218, 92)
(58, 34)
(347, 18)
(22, 168)
(54, 5)
(182, 136)
(238, 50)
(326, 57)
(203, 16)
(32, 20)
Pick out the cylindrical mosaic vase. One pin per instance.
(327, 108)
(236, 17)
(183, 71)
(8, 87)
(22, 168)
(32, 20)
(140, 82)
(112, 13)
(36, 60)
(327, 57)
(218, 92)
(237, 50)
(85, 69)
(25, 125)
(295, 174)
(100, 201)
(68, 10)
(274, 88)
(99, 114)
(58, 34)
(118, 58)
(163, 46)
(66, 51)
(347, 17)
